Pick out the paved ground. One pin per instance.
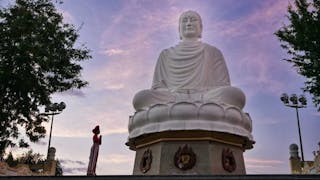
(203, 177)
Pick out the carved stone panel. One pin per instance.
(185, 158)
(228, 160)
(146, 161)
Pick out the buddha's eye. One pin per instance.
(185, 20)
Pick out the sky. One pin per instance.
(126, 37)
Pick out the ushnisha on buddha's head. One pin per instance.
(190, 26)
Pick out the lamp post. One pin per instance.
(53, 109)
(295, 102)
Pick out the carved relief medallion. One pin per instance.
(185, 158)
(146, 160)
(228, 161)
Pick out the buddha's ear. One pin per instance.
(200, 35)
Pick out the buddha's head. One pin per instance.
(190, 25)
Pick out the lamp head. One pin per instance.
(61, 106)
(284, 98)
(55, 106)
(294, 99)
(303, 100)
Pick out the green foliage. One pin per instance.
(37, 59)
(301, 39)
(11, 161)
(30, 158)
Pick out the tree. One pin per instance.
(30, 158)
(38, 57)
(11, 161)
(301, 39)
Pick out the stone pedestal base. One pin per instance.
(189, 152)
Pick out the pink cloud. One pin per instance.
(141, 54)
(111, 52)
(263, 161)
(255, 65)
(263, 166)
(67, 16)
(316, 114)
(257, 24)
(117, 159)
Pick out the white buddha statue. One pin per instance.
(191, 71)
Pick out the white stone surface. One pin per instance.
(191, 90)
(191, 116)
(190, 65)
(191, 70)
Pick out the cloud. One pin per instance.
(263, 161)
(67, 17)
(111, 121)
(135, 23)
(73, 92)
(113, 76)
(116, 159)
(72, 167)
(74, 171)
(68, 161)
(130, 44)
(80, 133)
(255, 25)
(5, 3)
(316, 114)
(263, 166)
(247, 42)
(111, 52)
(268, 121)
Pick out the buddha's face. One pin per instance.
(190, 26)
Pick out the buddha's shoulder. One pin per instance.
(205, 46)
(211, 47)
(167, 50)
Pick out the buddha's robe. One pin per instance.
(190, 71)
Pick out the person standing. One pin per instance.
(94, 152)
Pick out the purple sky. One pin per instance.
(126, 37)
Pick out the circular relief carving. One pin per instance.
(146, 161)
(228, 161)
(185, 158)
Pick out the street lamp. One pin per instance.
(53, 109)
(295, 102)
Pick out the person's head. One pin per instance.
(96, 130)
(190, 25)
